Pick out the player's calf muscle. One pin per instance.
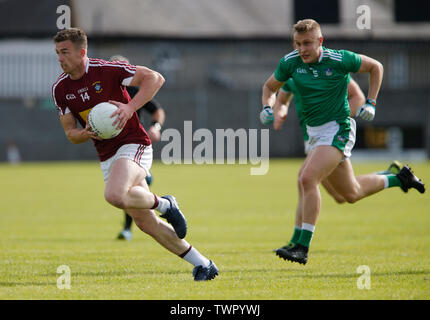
(145, 220)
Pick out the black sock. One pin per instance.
(128, 221)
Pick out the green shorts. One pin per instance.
(339, 134)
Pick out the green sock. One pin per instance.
(393, 181)
(305, 238)
(296, 235)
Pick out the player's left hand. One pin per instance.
(124, 112)
(87, 130)
(154, 134)
(367, 110)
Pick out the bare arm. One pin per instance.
(376, 71)
(149, 82)
(75, 134)
(270, 87)
(355, 96)
(281, 108)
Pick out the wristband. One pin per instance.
(156, 125)
(371, 101)
(265, 107)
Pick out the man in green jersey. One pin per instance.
(321, 77)
(288, 92)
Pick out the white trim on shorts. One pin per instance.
(138, 153)
(352, 136)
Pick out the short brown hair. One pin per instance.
(76, 35)
(306, 25)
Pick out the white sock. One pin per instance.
(308, 226)
(195, 258)
(386, 184)
(163, 205)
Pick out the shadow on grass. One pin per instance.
(99, 274)
(58, 240)
(310, 274)
(373, 274)
(95, 274)
(26, 284)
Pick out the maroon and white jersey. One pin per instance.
(102, 81)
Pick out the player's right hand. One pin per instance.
(266, 115)
(123, 113)
(367, 111)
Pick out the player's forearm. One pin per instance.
(269, 96)
(356, 99)
(148, 88)
(355, 102)
(77, 135)
(375, 80)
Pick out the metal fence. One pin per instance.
(28, 68)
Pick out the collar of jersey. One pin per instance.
(87, 65)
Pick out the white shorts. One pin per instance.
(339, 134)
(138, 153)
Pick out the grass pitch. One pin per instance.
(54, 214)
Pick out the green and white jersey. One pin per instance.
(322, 85)
(290, 86)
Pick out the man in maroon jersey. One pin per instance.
(126, 159)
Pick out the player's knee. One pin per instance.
(115, 199)
(339, 200)
(306, 181)
(299, 184)
(351, 197)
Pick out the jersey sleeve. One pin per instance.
(287, 86)
(123, 71)
(284, 70)
(59, 100)
(351, 61)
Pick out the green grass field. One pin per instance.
(54, 214)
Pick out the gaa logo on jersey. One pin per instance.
(97, 87)
(328, 72)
